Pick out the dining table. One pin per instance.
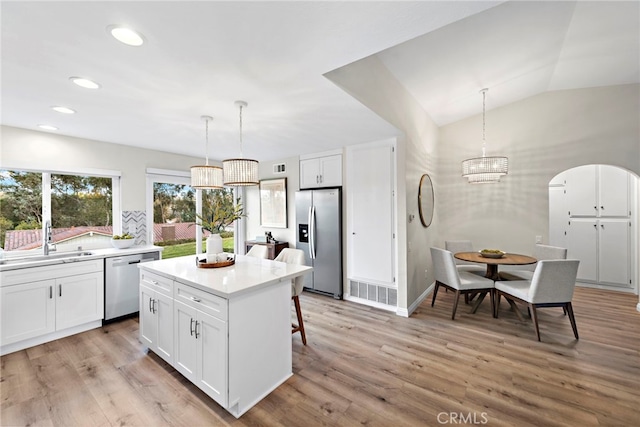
(492, 270)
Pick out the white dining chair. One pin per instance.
(459, 281)
(258, 251)
(552, 285)
(295, 256)
(455, 246)
(541, 253)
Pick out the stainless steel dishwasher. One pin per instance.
(121, 284)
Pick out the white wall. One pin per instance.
(542, 136)
(29, 149)
(371, 83)
(252, 202)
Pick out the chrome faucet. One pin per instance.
(47, 240)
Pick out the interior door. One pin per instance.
(370, 222)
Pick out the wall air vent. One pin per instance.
(280, 168)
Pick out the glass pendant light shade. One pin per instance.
(206, 176)
(482, 170)
(485, 169)
(240, 172)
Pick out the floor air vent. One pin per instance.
(375, 293)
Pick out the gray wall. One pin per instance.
(542, 136)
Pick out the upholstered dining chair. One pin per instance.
(541, 253)
(552, 285)
(259, 251)
(459, 281)
(455, 246)
(295, 256)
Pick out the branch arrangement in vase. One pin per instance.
(222, 212)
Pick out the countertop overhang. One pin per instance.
(247, 274)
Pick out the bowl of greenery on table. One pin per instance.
(122, 241)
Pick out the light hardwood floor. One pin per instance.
(361, 366)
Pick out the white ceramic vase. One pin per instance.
(214, 244)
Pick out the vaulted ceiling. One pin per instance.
(199, 57)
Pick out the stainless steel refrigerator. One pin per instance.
(319, 235)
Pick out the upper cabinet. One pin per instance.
(321, 171)
(597, 191)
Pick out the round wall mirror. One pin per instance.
(425, 200)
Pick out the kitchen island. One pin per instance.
(227, 330)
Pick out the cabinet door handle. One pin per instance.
(602, 225)
(155, 310)
(191, 327)
(320, 179)
(194, 299)
(50, 292)
(150, 309)
(60, 290)
(197, 329)
(595, 207)
(602, 207)
(317, 179)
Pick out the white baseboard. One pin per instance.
(31, 342)
(403, 312)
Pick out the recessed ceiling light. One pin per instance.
(47, 127)
(63, 110)
(85, 83)
(126, 35)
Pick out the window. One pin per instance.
(80, 208)
(172, 205)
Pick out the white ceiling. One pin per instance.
(199, 57)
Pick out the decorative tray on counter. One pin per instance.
(204, 264)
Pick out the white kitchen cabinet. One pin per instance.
(79, 299)
(231, 326)
(201, 350)
(597, 191)
(40, 304)
(28, 311)
(597, 227)
(156, 314)
(325, 171)
(614, 267)
(582, 244)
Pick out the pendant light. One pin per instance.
(241, 172)
(485, 169)
(206, 176)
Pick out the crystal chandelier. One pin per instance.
(240, 171)
(205, 176)
(485, 169)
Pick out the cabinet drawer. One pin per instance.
(158, 283)
(203, 301)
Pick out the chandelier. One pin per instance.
(485, 169)
(241, 171)
(205, 176)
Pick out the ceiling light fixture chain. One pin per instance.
(241, 171)
(206, 140)
(206, 176)
(485, 170)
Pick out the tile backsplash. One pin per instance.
(135, 222)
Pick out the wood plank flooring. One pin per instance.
(362, 366)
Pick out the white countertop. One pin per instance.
(95, 254)
(246, 274)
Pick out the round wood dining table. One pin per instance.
(493, 263)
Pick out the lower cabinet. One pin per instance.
(156, 322)
(28, 311)
(201, 350)
(36, 311)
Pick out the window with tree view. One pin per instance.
(81, 210)
(174, 218)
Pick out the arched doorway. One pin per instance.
(593, 212)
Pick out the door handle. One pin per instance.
(50, 292)
(60, 290)
(197, 329)
(194, 299)
(155, 310)
(150, 307)
(191, 327)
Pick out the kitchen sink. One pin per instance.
(54, 256)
